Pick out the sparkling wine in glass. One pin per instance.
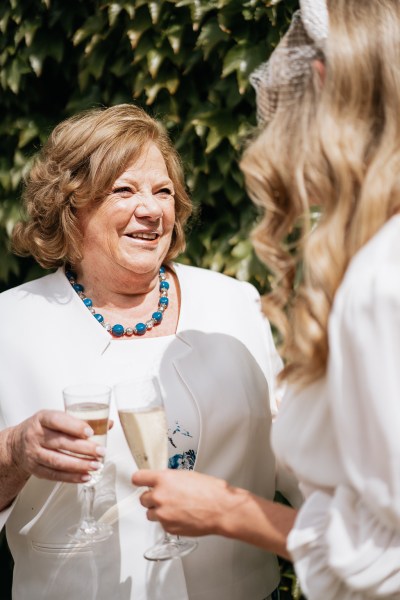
(91, 403)
(142, 415)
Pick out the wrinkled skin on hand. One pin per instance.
(38, 445)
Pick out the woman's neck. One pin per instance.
(118, 293)
(151, 301)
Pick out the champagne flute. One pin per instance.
(91, 403)
(142, 415)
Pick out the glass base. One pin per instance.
(171, 547)
(90, 532)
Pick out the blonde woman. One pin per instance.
(330, 96)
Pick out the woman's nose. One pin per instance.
(148, 207)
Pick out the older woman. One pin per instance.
(106, 206)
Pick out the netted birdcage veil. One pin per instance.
(281, 80)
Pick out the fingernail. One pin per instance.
(89, 431)
(86, 478)
(95, 465)
(100, 450)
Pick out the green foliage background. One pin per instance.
(186, 61)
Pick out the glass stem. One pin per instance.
(87, 519)
(169, 538)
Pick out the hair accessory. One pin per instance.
(314, 14)
(119, 330)
(282, 79)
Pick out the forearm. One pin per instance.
(256, 521)
(12, 477)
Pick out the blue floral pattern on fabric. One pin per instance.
(183, 459)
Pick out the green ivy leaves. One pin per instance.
(187, 61)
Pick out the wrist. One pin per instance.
(233, 510)
(13, 442)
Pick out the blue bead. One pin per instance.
(162, 270)
(164, 285)
(157, 316)
(78, 287)
(140, 328)
(87, 302)
(99, 317)
(70, 274)
(163, 301)
(117, 330)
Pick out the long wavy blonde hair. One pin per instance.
(338, 148)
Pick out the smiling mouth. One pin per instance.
(143, 236)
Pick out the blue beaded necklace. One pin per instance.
(119, 330)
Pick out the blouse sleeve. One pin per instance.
(5, 513)
(347, 544)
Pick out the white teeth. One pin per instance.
(144, 236)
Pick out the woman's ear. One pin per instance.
(319, 68)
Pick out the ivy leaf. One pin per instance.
(210, 36)
(138, 27)
(4, 21)
(174, 35)
(154, 61)
(113, 12)
(43, 47)
(144, 46)
(27, 134)
(12, 73)
(237, 59)
(94, 24)
(154, 10)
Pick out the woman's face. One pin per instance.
(131, 230)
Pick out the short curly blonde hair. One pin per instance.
(76, 167)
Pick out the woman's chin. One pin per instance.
(146, 266)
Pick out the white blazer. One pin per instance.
(48, 339)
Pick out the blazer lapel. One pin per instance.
(93, 338)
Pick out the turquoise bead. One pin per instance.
(164, 285)
(140, 328)
(78, 287)
(163, 301)
(162, 270)
(157, 316)
(117, 330)
(87, 302)
(99, 317)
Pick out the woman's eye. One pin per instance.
(122, 190)
(166, 191)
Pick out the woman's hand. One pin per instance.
(185, 503)
(39, 446)
(188, 503)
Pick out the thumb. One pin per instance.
(144, 477)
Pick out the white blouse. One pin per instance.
(341, 438)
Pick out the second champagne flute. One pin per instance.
(142, 415)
